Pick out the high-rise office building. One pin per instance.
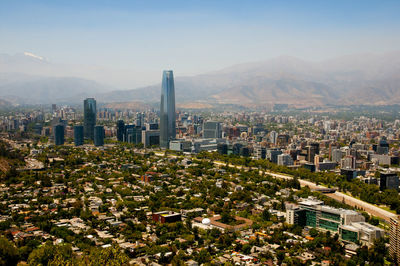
(140, 119)
(151, 138)
(394, 239)
(120, 130)
(78, 135)
(98, 136)
(285, 159)
(212, 130)
(336, 155)
(222, 148)
(260, 152)
(312, 150)
(382, 147)
(37, 128)
(272, 155)
(89, 112)
(282, 140)
(58, 134)
(273, 136)
(244, 151)
(133, 134)
(236, 148)
(349, 173)
(348, 162)
(389, 181)
(167, 109)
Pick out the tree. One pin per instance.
(177, 261)
(203, 256)
(226, 217)
(266, 215)
(377, 252)
(246, 249)
(374, 221)
(280, 255)
(313, 232)
(107, 256)
(8, 252)
(59, 260)
(48, 252)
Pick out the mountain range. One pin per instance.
(353, 79)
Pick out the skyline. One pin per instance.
(272, 136)
(134, 40)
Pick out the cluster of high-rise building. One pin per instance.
(150, 134)
(89, 130)
(353, 148)
(146, 133)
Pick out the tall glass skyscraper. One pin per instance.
(78, 135)
(98, 136)
(120, 130)
(58, 134)
(167, 109)
(89, 113)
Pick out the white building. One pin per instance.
(285, 159)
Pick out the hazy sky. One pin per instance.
(193, 37)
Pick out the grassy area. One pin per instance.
(385, 208)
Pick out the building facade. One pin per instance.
(285, 159)
(336, 155)
(180, 145)
(212, 130)
(360, 232)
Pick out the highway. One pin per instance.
(33, 164)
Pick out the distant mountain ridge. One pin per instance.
(354, 79)
(25, 89)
